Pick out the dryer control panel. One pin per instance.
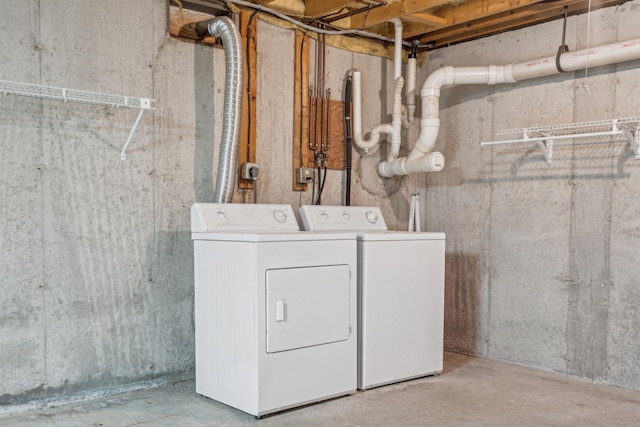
(212, 217)
(338, 218)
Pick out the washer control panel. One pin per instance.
(338, 218)
(212, 217)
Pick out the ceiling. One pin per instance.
(431, 23)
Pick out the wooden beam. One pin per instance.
(426, 19)
(300, 106)
(510, 20)
(412, 29)
(247, 150)
(183, 24)
(316, 8)
(476, 9)
(393, 10)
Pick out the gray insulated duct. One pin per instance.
(224, 28)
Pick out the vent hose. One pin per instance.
(224, 28)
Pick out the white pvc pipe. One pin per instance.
(397, 48)
(430, 162)
(396, 115)
(613, 53)
(410, 90)
(395, 127)
(396, 122)
(357, 106)
(448, 76)
(358, 139)
(412, 213)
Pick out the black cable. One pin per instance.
(348, 138)
(321, 185)
(318, 183)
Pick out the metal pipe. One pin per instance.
(225, 28)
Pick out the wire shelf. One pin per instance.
(545, 136)
(63, 94)
(51, 92)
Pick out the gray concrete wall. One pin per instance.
(96, 273)
(542, 261)
(95, 253)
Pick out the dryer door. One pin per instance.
(307, 306)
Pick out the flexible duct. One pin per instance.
(224, 28)
(421, 158)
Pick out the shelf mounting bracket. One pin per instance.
(633, 136)
(546, 146)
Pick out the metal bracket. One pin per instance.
(546, 146)
(633, 136)
(145, 104)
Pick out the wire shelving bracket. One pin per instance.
(544, 136)
(62, 94)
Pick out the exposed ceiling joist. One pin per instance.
(426, 19)
(431, 22)
(394, 10)
(315, 9)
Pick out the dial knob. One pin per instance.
(371, 217)
(324, 215)
(221, 215)
(345, 216)
(279, 215)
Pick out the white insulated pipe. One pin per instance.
(493, 74)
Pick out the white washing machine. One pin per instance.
(275, 308)
(400, 294)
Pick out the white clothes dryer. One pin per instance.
(400, 294)
(275, 308)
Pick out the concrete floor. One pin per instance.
(470, 392)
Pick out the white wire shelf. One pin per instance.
(63, 94)
(544, 136)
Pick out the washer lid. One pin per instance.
(214, 217)
(375, 236)
(332, 218)
(273, 236)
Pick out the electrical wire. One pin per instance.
(333, 31)
(322, 178)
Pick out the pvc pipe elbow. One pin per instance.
(432, 162)
(374, 139)
(366, 144)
